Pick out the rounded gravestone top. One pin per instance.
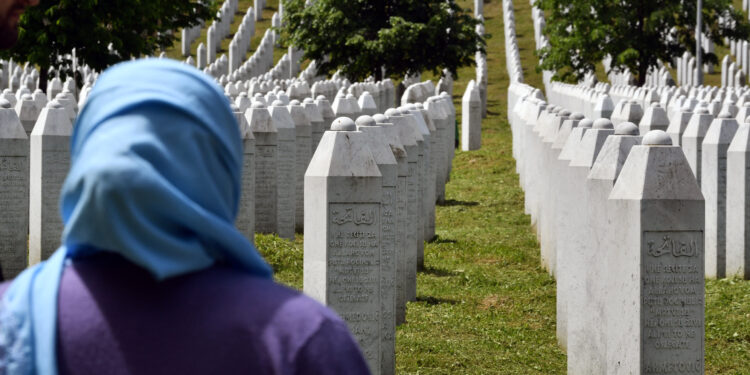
(38, 91)
(27, 97)
(320, 97)
(602, 123)
(444, 94)
(308, 101)
(234, 107)
(54, 104)
(725, 114)
(380, 118)
(392, 112)
(7, 91)
(657, 138)
(564, 113)
(419, 106)
(295, 102)
(243, 94)
(702, 111)
(409, 107)
(365, 121)
(4, 103)
(258, 105)
(343, 124)
(277, 103)
(627, 128)
(577, 116)
(586, 123)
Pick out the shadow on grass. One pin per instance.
(438, 272)
(439, 240)
(453, 202)
(434, 301)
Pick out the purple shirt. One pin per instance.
(114, 318)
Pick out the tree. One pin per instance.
(360, 37)
(636, 34)
(50, 31)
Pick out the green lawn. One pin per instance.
(484, 304)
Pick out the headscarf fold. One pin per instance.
(156, 165)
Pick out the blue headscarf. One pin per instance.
(155, 177)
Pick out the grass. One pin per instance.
(484, 305)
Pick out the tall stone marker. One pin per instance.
(377, 140)
(343, 188)
(471, 119)
(14, 192)
(287, 171)
(266, 167)
(656, 264)
(714, 188)
(588, 350)
(303, 133)
(246, 215)
(49, 164)
(692, 139)
(738, 205)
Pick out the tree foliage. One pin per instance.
(361, 36)
(636, 33)
(51, 30)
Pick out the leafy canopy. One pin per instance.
(361, 36)
(635, 33)
(134, 28)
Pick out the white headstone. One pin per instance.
(303, 134)
(343, 189)
(286, 178)
(692, 139)
(49, 164)
(714, 188)
(246, 215)
(656, 264)
(471, 119)
(266, 167)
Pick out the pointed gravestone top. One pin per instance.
(10, 124)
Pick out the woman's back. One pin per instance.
(114, 318)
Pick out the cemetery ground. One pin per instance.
(484, 305)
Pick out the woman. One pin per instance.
(152, 277)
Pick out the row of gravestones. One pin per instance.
(620, 221)
(713, 139)
(614, 211)
(370, 193)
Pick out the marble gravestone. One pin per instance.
(324, 106)
(417, 122)
(412, 142)
(286, 176)
(49, 160)
(572, 248)
(471, 119)
(440, 120)
(656, 264)
(27, 112)
(430, 189)
(655, 118)
(266, 167)
(303, 134)
(692, 139)
(588, 350)
(714, 187)
(14, 193)
(738, 205)
(316, 121)
(343, 188)
(678, 124)
(246, 215)
(377, 140)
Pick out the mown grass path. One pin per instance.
(484, 305)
